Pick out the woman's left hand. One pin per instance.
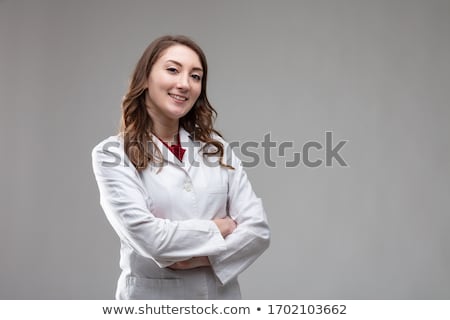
(192, 263)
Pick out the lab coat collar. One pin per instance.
(191, 147)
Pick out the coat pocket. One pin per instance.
(154, 288)
(215, 200)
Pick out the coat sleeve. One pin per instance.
(252, 235)
(123, 199)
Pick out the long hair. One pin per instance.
(136, 124)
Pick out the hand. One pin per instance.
(192, 263)
(226, 225)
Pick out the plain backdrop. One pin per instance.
(374, 73)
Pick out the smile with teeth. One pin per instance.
(177, 97)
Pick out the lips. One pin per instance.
(178, 97)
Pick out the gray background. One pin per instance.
(375, 73)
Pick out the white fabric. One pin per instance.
(163, 216)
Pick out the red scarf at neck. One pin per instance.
(176, 149)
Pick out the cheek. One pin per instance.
(159, 82)
(197, 92)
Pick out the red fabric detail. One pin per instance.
(176, 149)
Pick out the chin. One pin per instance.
(177, 114)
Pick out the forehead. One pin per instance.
(181, 54)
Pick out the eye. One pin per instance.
(196, 77)
(172, 70)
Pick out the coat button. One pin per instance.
(188, 187)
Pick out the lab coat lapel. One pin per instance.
(191, 147)
(167, 155)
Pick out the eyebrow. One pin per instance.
(180, 65)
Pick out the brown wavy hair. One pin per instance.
(136, 124)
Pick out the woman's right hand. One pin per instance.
(226, 225)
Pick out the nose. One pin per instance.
(183, 82)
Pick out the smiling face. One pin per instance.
(174, 84)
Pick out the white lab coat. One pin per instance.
(166, 216)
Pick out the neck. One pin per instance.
(166, 132)
(164, 128)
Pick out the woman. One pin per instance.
(189, 222)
